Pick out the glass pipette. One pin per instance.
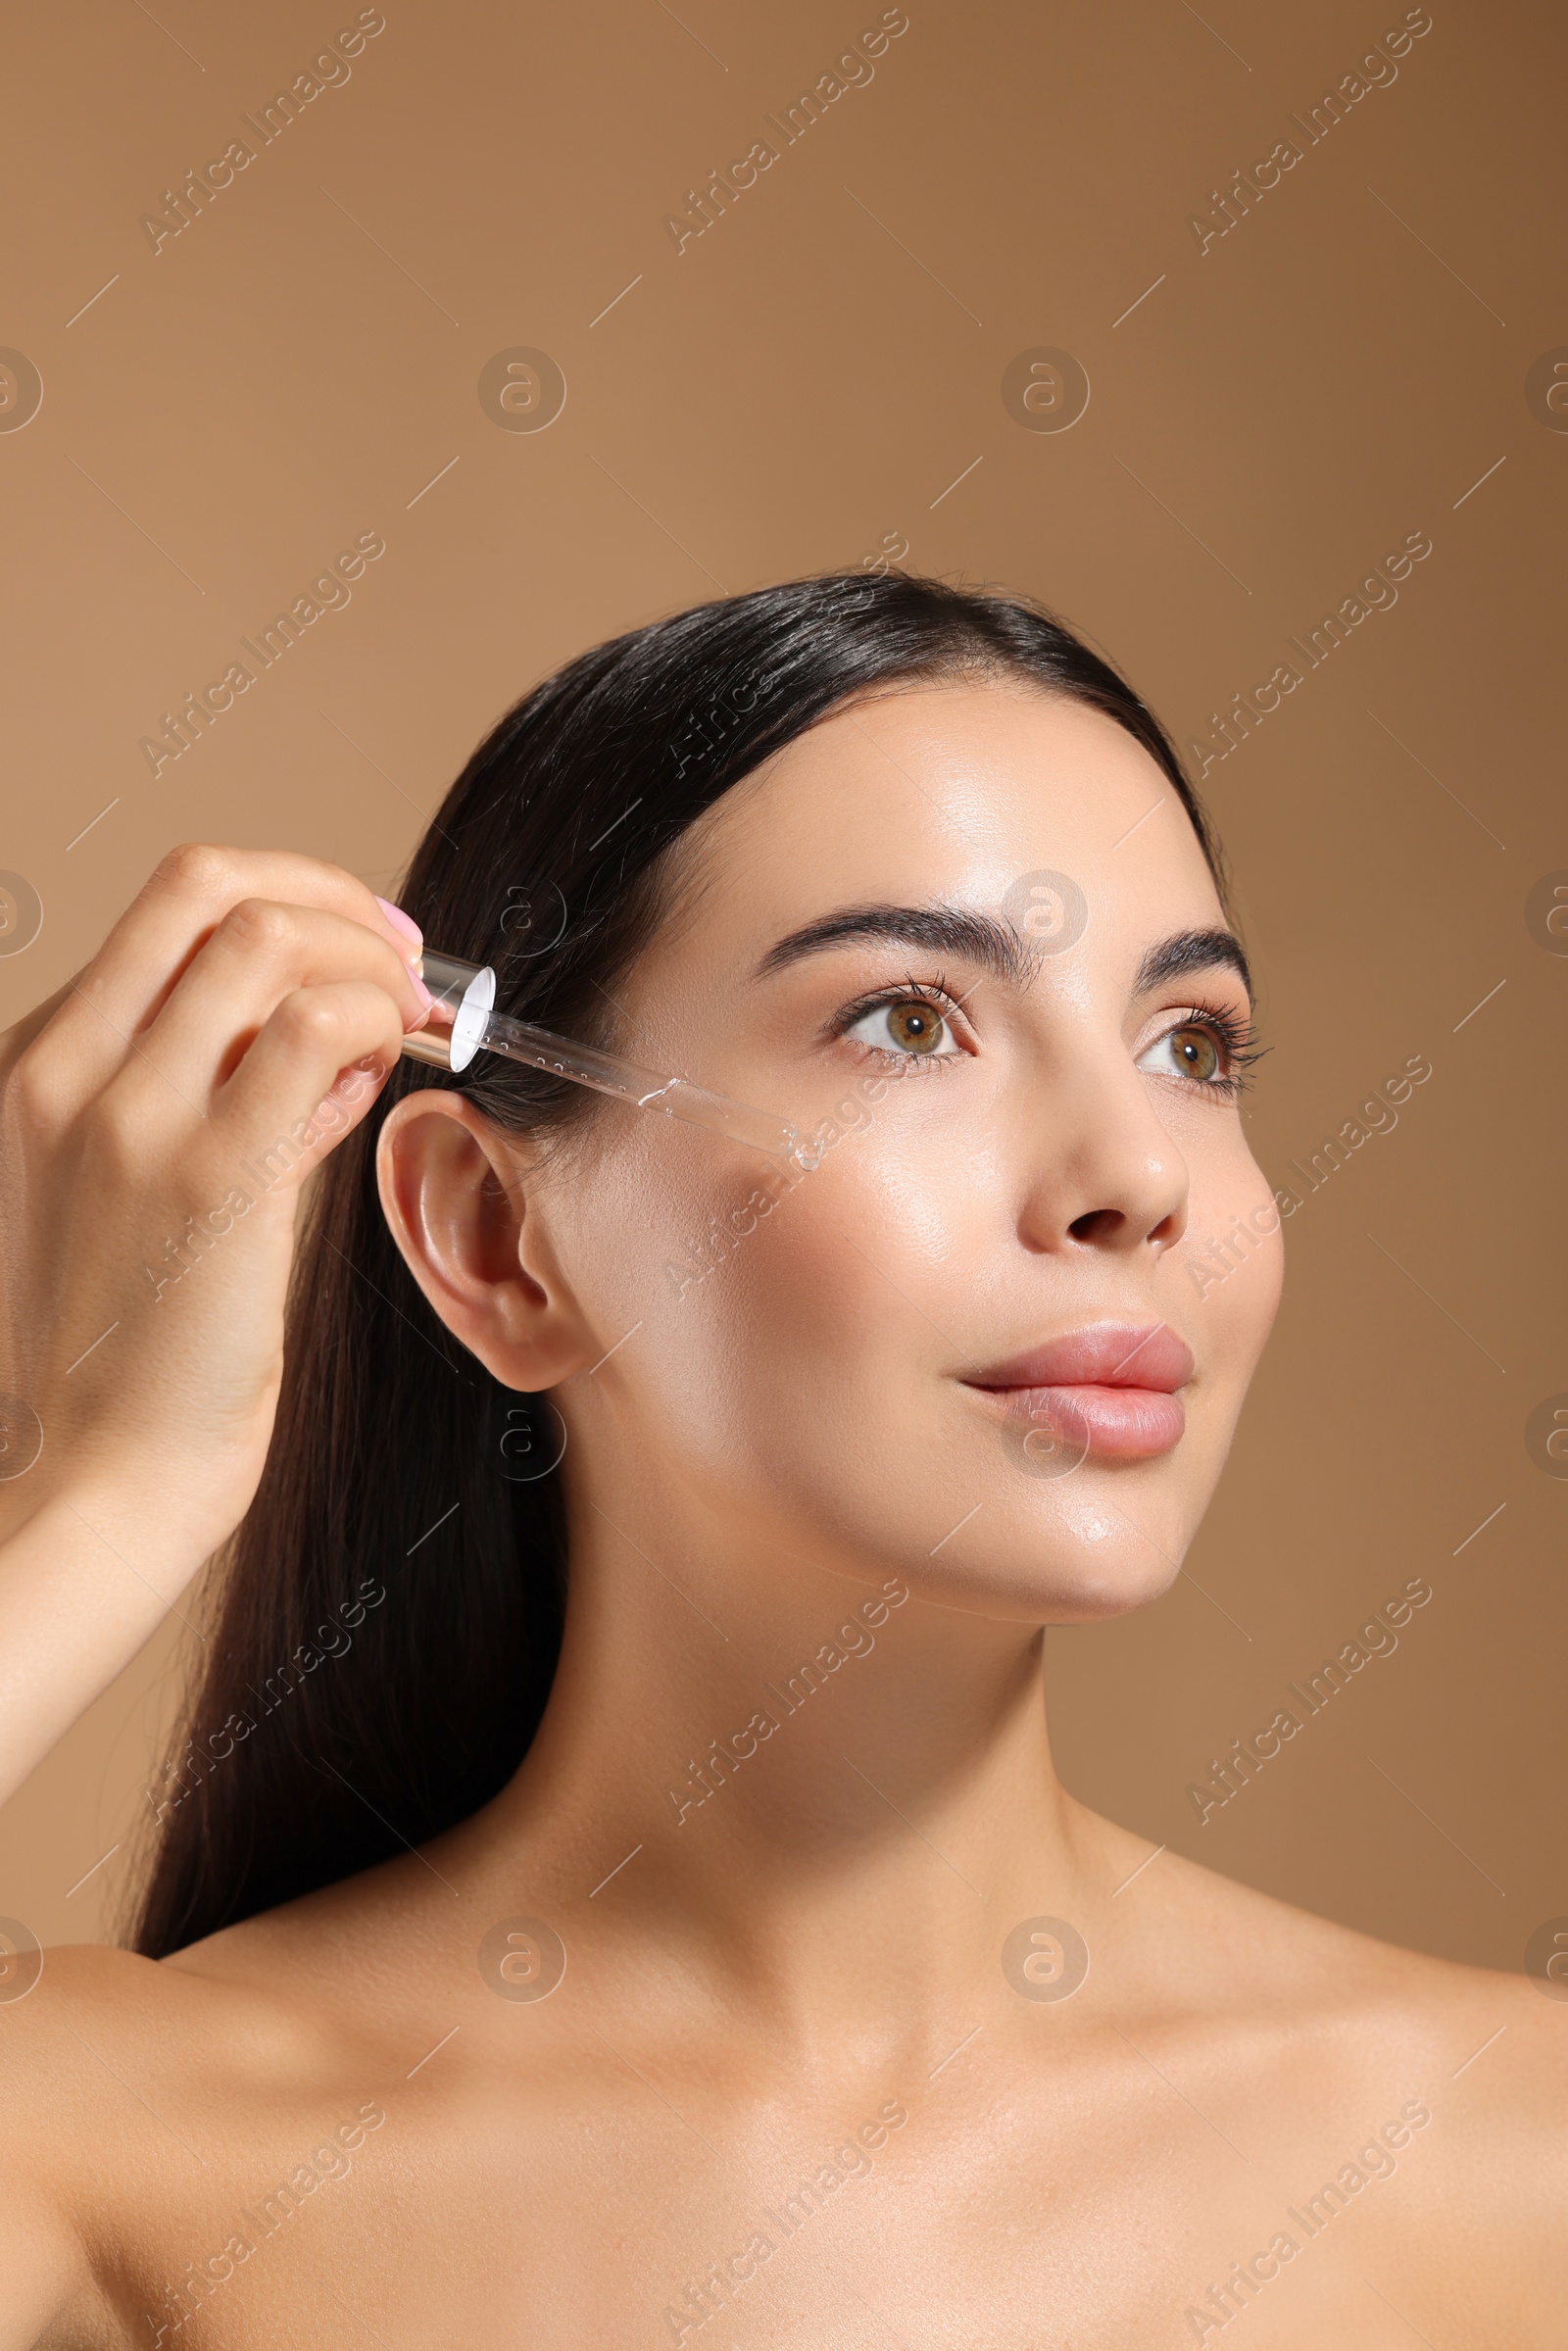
(462, 1021)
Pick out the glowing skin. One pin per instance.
(1035, 1175)
(793, 1805)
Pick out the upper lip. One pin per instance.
(1103, 1354)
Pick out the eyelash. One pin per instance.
(1237, 1037)
(933, 993)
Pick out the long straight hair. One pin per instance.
(390, 1611)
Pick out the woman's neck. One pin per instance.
(829, 1799)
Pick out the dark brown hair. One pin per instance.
(389, 1610)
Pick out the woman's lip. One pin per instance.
(1105, 1391)
(1095, 1422)
(1108, 1358)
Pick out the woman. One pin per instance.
(616, 1886)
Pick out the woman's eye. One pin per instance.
(909, 1026)
(1189, 1051)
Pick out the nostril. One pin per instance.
(1099, 1224)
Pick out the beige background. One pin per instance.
(806, 379)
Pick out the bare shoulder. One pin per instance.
(353, 1965)
(85, 2057)
(1430, 2006)
(1459, 2073)
(43, 2250)
(247, 2006)
(140, 2100)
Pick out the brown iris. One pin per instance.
(914, 1026)
(1196, 1051)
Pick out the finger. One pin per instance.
(261, 953)
(308, 1078)
(21, 1033)
(140, 963)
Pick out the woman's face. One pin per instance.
(985, 1346)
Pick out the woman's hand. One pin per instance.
(156, 1120)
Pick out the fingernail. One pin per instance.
(427, 999)
(400, 921)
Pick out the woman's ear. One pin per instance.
(454, 1191)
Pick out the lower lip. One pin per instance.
(1119, 1424)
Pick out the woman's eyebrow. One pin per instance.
(1185, 951)
(981, 938)
(993, 944)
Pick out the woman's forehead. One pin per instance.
(957, 795)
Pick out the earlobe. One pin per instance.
(454, 1195)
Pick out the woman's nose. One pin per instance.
(1108, 1175)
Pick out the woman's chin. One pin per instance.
(1051, 1583)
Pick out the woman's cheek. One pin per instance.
(1231, 1271)
(810, 1321)
(849, 1254)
